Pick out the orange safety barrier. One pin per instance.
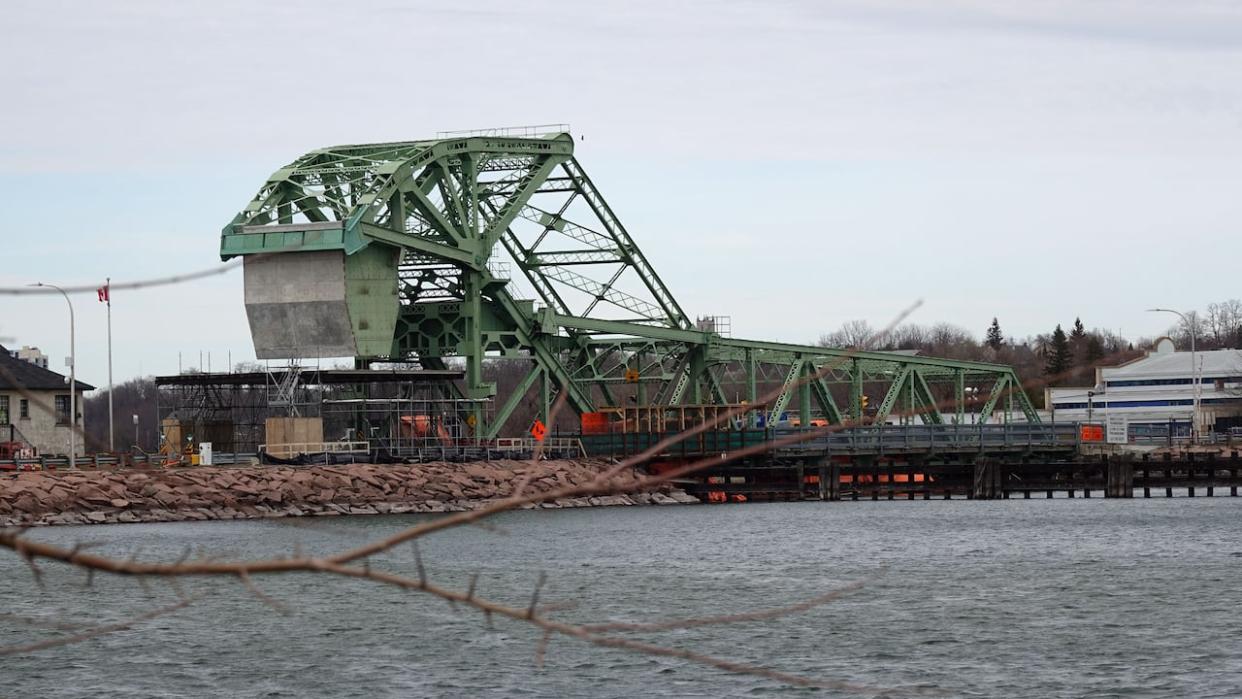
(883, 478)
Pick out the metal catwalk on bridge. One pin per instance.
(492, 245)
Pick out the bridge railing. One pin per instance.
(879, 439)
(871, 439)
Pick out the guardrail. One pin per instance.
(115, 461)
(558, 445)
(294, 448)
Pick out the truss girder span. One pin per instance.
(466, 248)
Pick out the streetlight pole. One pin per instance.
(73, 385)
(1194, 371)
(111, 429)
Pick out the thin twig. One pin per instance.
(96, 631)
(263, 597)
(534, 598)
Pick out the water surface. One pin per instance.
(1061, 598)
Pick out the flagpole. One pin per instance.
(108, 296)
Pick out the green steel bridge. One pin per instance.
(495, 245)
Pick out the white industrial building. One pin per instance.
(1158, 390)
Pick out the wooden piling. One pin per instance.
(985, 485)
(1119, 479)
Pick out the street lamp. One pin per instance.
(73, 386)
(1194, 371)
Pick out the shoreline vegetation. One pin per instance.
(37, 498)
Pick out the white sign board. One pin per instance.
(204, 453)
(1116, 429)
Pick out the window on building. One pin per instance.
(4, 410)
(62, 410)
(24, 409)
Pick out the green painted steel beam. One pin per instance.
(787, 390)
(823, 396)
(994, 395)
(893, 395)
(925, 401)
(511, 403)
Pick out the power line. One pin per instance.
(125, 286)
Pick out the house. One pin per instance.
(34, 406)
(1159, 389)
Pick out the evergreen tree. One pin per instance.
(995, 338)
(1078, 334)
(1095, 349)
(1058, 359)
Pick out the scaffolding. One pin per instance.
(395, 410)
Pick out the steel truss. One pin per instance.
(600, 325)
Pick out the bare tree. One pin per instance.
(856, 334)
(1222, 322)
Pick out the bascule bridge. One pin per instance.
(498, 244)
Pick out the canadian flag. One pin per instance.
(103, 293)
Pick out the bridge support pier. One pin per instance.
(1119, 479)
(988, 481)
(829, 481)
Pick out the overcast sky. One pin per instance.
(792, 164)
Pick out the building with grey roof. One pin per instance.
(34, 406)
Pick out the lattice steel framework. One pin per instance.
(587, 308)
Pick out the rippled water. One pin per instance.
(1061, 598)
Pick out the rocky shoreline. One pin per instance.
(216, 493)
